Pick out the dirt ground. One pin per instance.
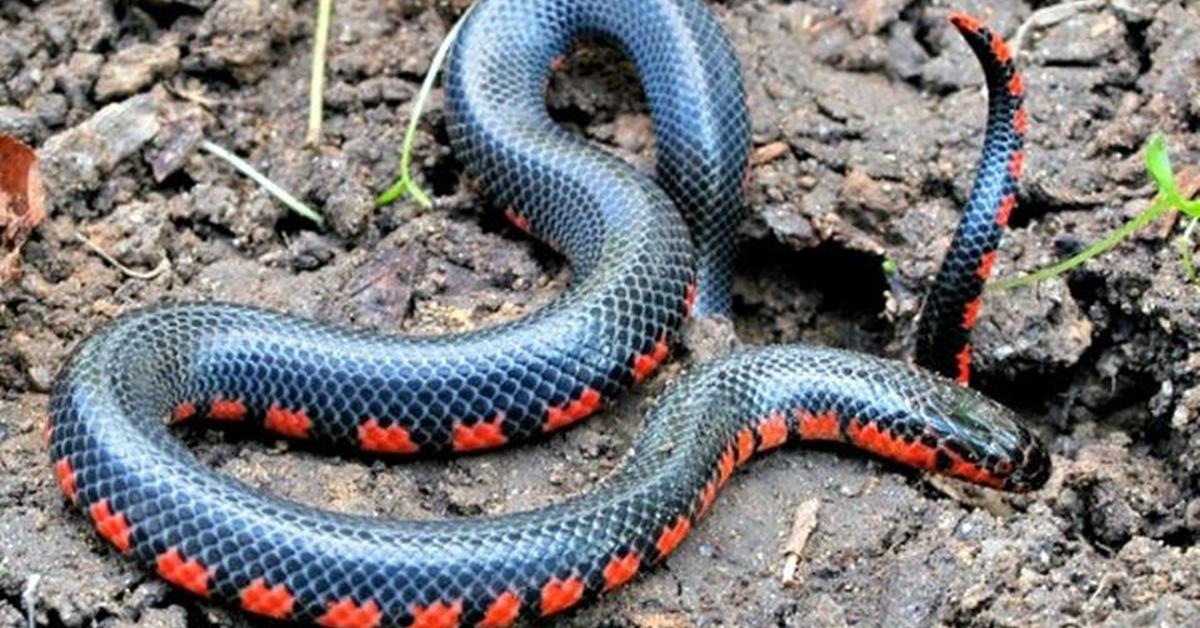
(867, 119)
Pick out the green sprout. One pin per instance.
(1159, 165)
(404, 183)
(890, 267)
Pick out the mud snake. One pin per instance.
(643, 253)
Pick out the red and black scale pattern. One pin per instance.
(954, 302)
(115, 458)
(222, 540)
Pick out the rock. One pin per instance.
(710, 337)
(10, 616)
(83, 25)
(1192, 515)
(864, 54)
(250, 216)
(181, 133)
(150, 596)
(310, 251)
(1085, 39)
(233, 38)
(348, 206)
(944, 74)
(11, 56)
(789, 225)
(376, 46)
(1033, 331)
(20, 123)
(861, 193)
(51, 109)
(1171, 610)
(1188, 409)
(75, 161)
(170, 617)
(1172, 72)
(41, 355)
(904, 51)
(132, 69)
(135, 234)
(76, 78)
(77, 583)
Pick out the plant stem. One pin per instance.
(316, 86)
(270, 186)
(404, 183)
(1156, 209)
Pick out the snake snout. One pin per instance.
(1031, 465)
(1018, 464)
(985, 443)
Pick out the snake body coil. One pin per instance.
(636, 278)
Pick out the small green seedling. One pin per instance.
(1159, 165)
(404, 183)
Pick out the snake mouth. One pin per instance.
(1032, 468)
(983, 442)
(1020, 467)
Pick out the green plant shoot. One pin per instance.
(404, 183)
(1158, 163)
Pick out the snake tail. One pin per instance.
(952, 307)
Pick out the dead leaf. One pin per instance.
(22, 202)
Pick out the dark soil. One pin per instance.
(868, 119)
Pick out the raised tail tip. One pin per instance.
(990, 46)
(964, 22)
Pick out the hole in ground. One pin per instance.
(828, 295)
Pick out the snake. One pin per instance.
(645, 253)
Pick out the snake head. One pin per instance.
(981, 441)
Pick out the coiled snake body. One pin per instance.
(643, 254)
